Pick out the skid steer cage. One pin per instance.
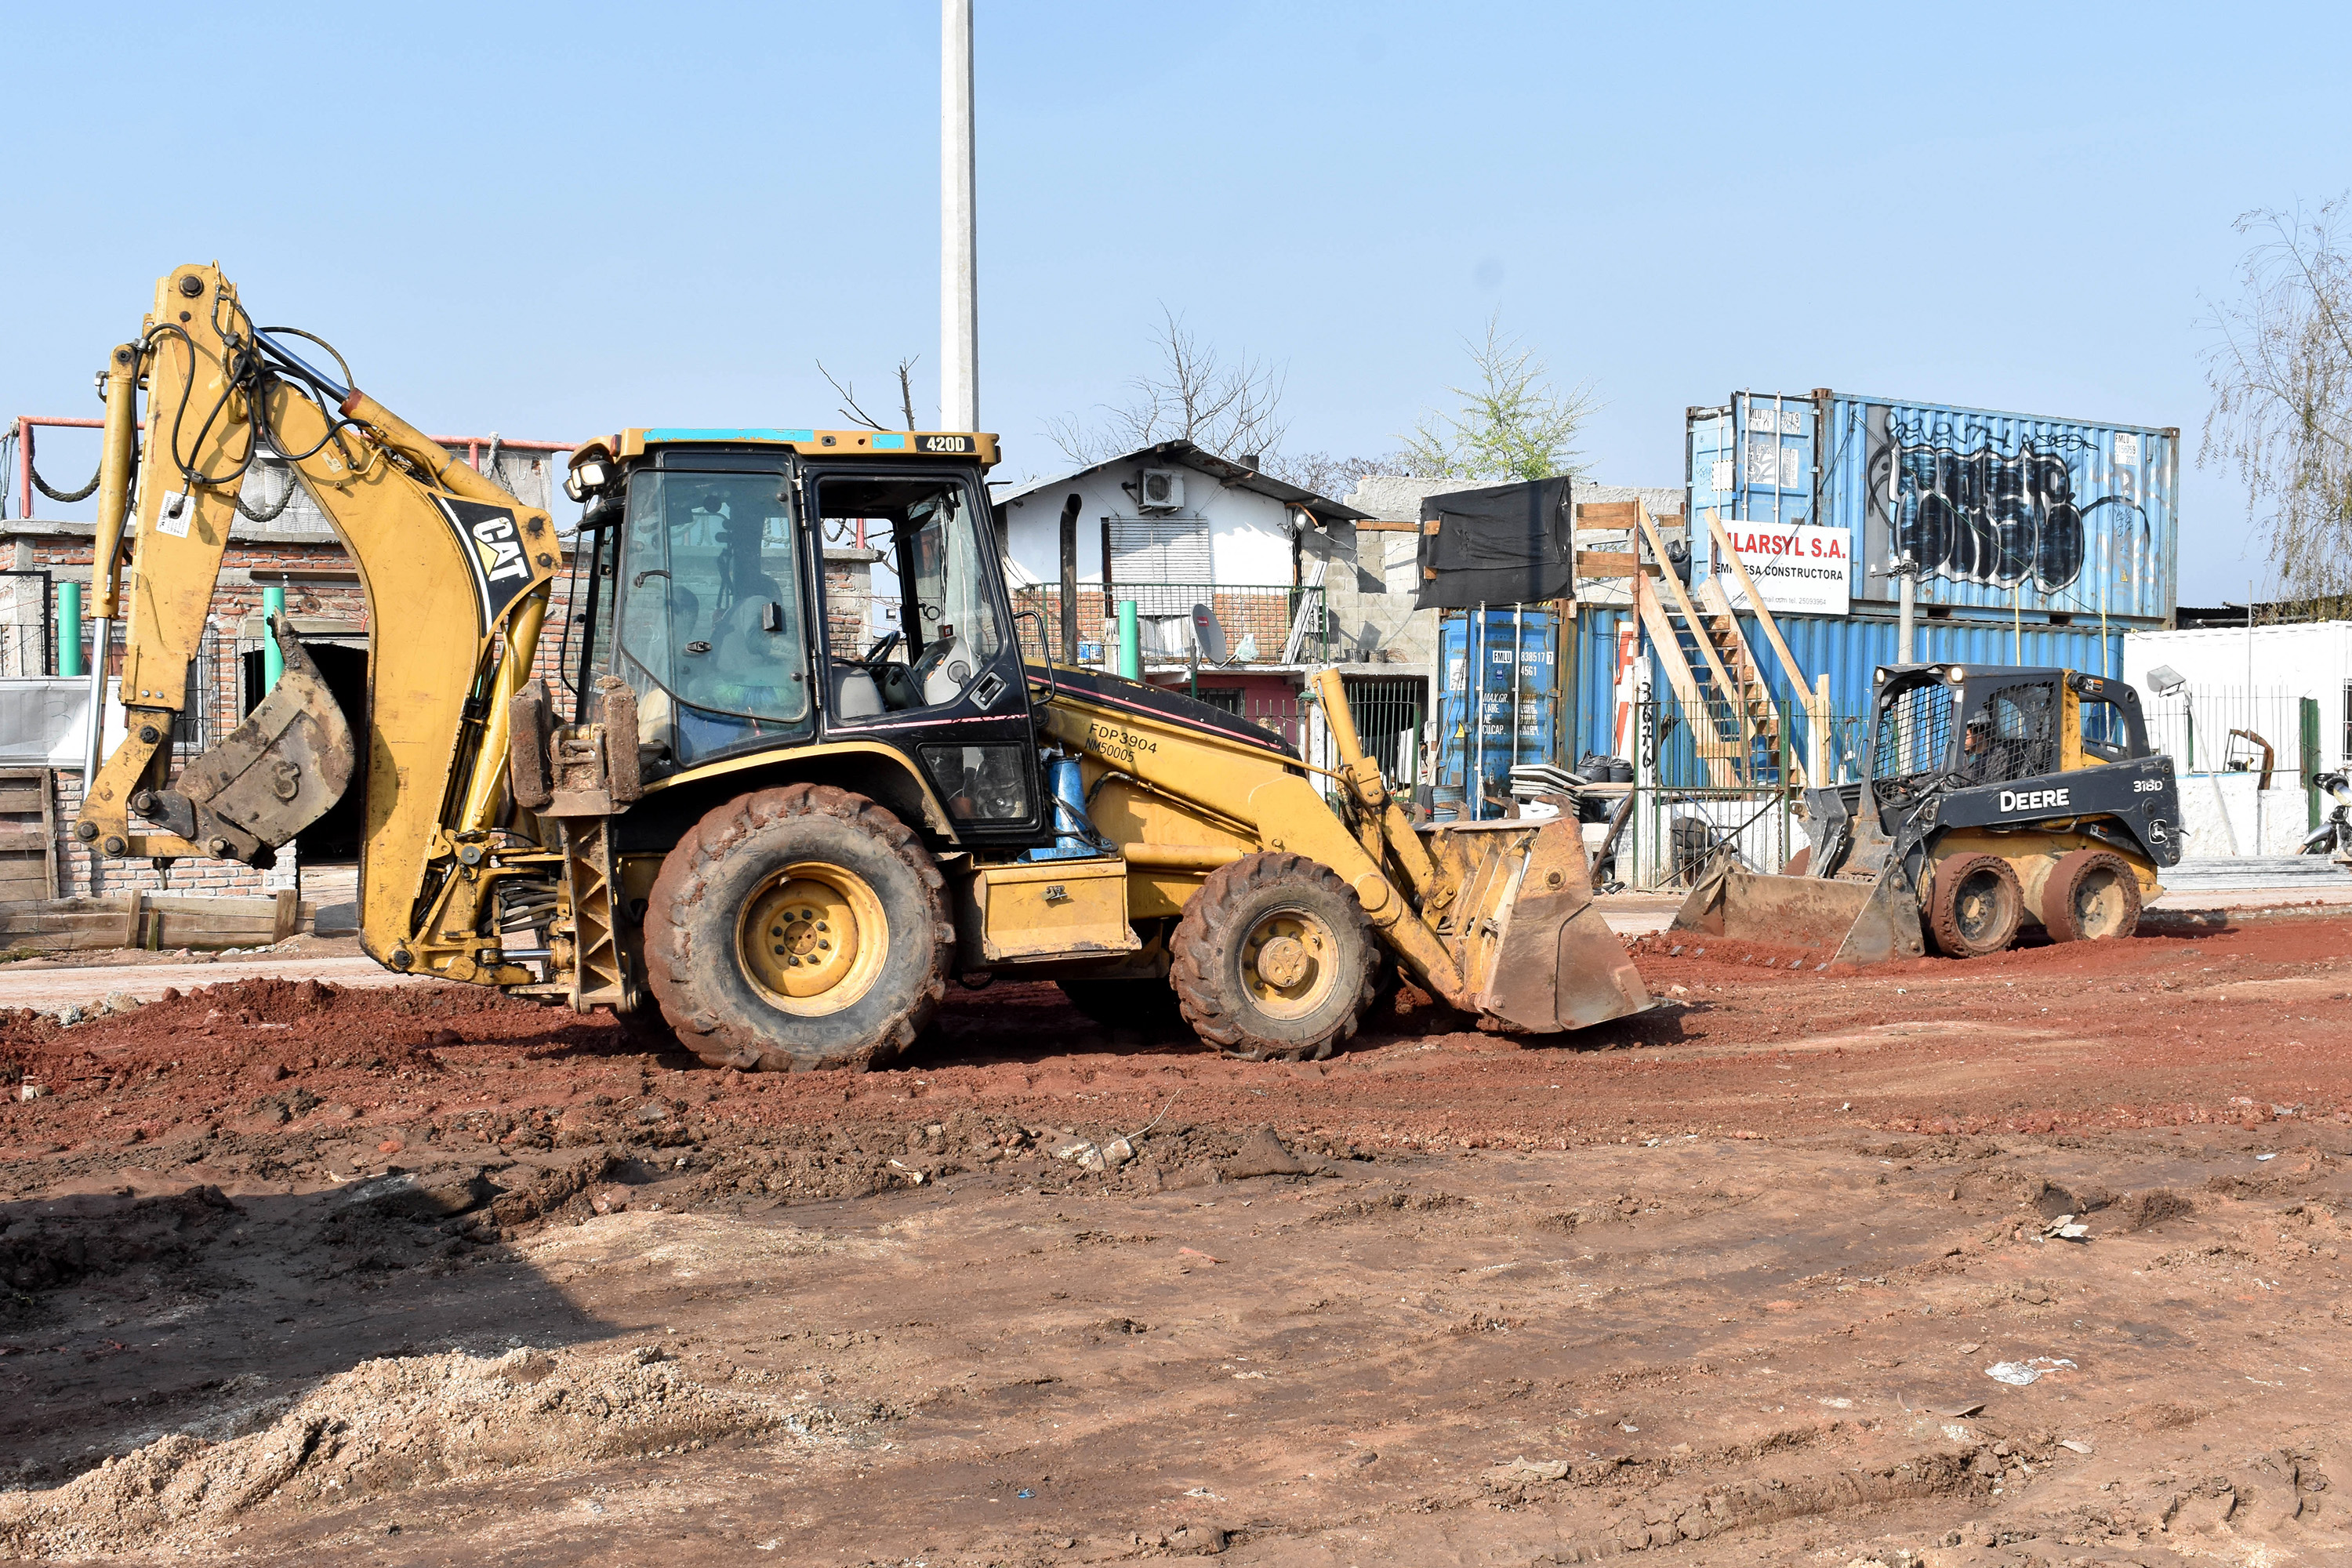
(272, 776)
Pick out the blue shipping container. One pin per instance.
(2052, 519)
(1848, 650)
(1505, 662)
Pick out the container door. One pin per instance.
(1751, 461)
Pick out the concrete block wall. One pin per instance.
(2230, 814)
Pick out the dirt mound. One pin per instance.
(388, 1426)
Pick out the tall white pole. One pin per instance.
(959, 283)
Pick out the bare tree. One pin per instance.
(1232, 409)
(857, 416)
(1510, 423)
(1326, 474)
(2281, 374)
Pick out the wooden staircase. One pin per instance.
(1736, 726)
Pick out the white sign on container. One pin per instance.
(1799, 570)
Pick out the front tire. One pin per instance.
(1274, 959)
(797, 928)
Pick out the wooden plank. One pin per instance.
(20, 797)
(233, 906)
(1619, 517)
(134, 917)
(23, 839)
(200, 930)
(289, 914)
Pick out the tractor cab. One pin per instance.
(761, 590)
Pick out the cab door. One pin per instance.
(920, 646)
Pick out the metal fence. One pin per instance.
(1387, 712)
(2227, 729)
(1262, 622)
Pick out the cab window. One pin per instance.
(929, 635)
(709, 625)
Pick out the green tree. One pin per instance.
(1510, 423)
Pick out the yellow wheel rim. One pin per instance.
(813, 939)
(1290, 963)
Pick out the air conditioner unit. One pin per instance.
(1161, 489)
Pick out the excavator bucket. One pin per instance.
(1536, 954)
(272, 776)
(1850, 922)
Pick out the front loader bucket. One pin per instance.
(272, 776)
(1541, 958)
(1852, 921)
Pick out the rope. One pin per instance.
(42, 484)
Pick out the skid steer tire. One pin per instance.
(2091, 896)
(798, 928)
(1974, 906)
(1147, 1006)
(1274, 959)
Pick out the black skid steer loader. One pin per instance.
(1990, 795)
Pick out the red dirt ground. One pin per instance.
(1732, 1049)
(1728, 1277)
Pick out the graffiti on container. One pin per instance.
(1984, 508)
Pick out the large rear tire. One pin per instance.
(1974, 906)
(1274, 959)
(2092, 896)
(797, 928)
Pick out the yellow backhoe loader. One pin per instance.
(728, 808)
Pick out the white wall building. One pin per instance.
(1180, 526)
(2284, 688)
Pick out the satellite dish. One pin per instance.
(1207, 635)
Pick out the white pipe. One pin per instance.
(93, 752)
(959, 280)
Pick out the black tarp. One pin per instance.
(1507, 544)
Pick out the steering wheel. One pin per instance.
(933, 656)
(872, 662)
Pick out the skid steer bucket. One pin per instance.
(1848, 922)
(1535, 950)
(272, 776)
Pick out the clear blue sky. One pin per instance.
(557, 220)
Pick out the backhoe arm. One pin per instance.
(455, 571)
